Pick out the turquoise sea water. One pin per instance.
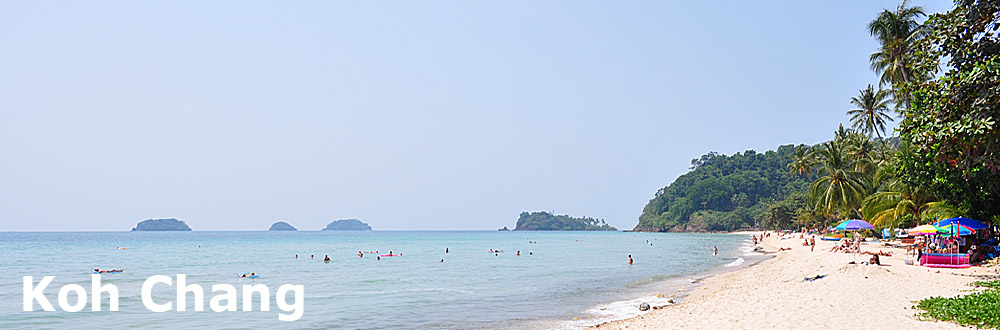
(582, 275)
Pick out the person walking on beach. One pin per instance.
(812, 243)
(755, 240)
(630, 259)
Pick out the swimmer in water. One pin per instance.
(630, 259)
(518, 252)
(296, 256)
(311, 256)
(716, 252)
(445, 251)
(326, 258)
(361, 255)
(442, 260)
(378, 258)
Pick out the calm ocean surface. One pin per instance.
(570, 275)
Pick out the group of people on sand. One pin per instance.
(810, 242)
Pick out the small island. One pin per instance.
(161, 225)
(548, 221)
(348, 224)
(503, 229)
(281, 226)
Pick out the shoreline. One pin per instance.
(851, 296)
(673, 290)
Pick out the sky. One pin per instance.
(408, 115)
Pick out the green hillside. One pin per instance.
(727, 192)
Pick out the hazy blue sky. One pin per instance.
(406, 114)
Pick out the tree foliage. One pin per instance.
(725, 192)
(952, 123)
(547, 221)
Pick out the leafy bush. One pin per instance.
(981, 309)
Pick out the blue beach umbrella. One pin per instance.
(854, 225)
(974, 224)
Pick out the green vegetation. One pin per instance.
(944, 163)
(348, 224)
(731, 192)
(281, 225)
(161, 225)
(952, 125)
(981, 309)
(548, 221)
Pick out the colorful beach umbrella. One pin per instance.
(974, 224)
(923, 230)
(956, 229)
(854, 225)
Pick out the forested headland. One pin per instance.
(938, 76)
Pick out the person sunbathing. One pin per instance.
(785, 249)
(874, 260)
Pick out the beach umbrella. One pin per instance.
(956, 229)
(974, 224)
(923, 230)
(854, 225)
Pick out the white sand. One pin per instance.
(773, 295)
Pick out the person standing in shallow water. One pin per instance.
(630, 259)
(715, 250)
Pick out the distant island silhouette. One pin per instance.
(548, 221)
(348, 224)
(161, 225)
(281, 226)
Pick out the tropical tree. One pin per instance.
(840, 189)
(802, 162)
(841, 133)
(872, 112)
(889, 208)
(897, 32)
(861, 152)
(952, 125)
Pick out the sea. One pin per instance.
(439, 280)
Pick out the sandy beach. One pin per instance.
(774, 295)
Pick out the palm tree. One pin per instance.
(840, 189)
(871, 114)
(841, 133)
(896, 33)
(889, 208)
(861, 151)
(802, 162)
